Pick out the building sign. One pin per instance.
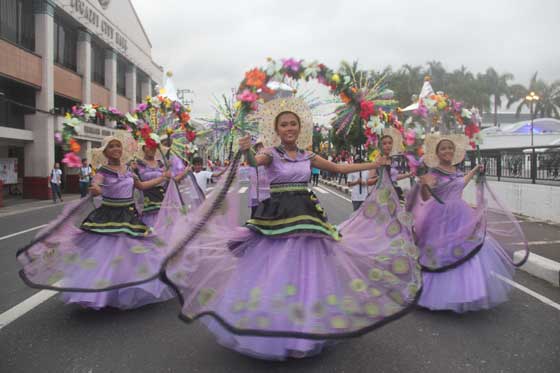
(99, 23)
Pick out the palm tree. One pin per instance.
(496, 86)
(548, 104)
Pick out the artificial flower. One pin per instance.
(142, 107)
(58, 137)
(130, 118)
(291, 64)
(72, 160)
(410, 137)
(367, 109)
(185, 117)
(335, 78)
(255, 78)
(247, 96)
(89, 110)
(75, 146)
(345, 98)
(191, 135)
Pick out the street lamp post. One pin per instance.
(532, 97)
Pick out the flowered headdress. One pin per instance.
(396, 135)
(129, 145)
(268, 113)
(431, 142)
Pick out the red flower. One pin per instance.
(145, 132)
(150, 143)
(367, 109)
(191, 135)
(185, 117)
(255, 78)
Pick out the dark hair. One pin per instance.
(282, 113)
(439, 143)
(84, 159)
(197, 160)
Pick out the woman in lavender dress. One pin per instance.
(467, 253)
(289, 280)
(149, 169)
(107, 259)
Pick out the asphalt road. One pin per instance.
(522, 335)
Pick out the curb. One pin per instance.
(24, 209)
(536, 265)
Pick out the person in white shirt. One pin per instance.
(55, 181)
(201, 175)
(85, 178)
(359, 182)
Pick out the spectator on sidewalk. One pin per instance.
(358, 182)
(55, 181)
(85, 178)
(315, 176)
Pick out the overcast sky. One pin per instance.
(209, 44)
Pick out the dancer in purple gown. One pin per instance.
(149, 169)
(107, 258)
(467, 253)
(289, 281)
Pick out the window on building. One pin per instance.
(63, 105)
(140, 78)
(17, 23)
(65, 44)
(97, 64)
(121, 76)
(17, 101)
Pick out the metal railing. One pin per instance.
(538, 164)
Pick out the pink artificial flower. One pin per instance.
(291, 64)
(72, 160)
(142, 107)
(114, 111)
(410, 137)
(421, 111)
(367, 109)
(176, 106)
(77, 111)
(58, 137)
(247, 96)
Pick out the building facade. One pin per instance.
(58, 53)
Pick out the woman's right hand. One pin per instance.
(95, 190)
(245, 143)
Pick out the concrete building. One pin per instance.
(58, 53)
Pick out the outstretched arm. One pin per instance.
(143, 185)
(321, 163)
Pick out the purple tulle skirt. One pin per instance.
(127, 298)
(474, 285)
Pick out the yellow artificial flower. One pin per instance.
(373, 155)
(68, 116)
(237, 105)
(336, 78)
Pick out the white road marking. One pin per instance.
(338, 195)
(526, 290)
(536, 243)
(242, 190)
(320, 190)
(22, 232)
(27, 305)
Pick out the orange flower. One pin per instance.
(185, 117)
(74, 146)
(345, 98)
(354, 89)
(420, 151)
(255, 78)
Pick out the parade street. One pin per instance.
(40, 334)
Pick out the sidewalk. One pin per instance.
(543, 238)
(14, 206)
